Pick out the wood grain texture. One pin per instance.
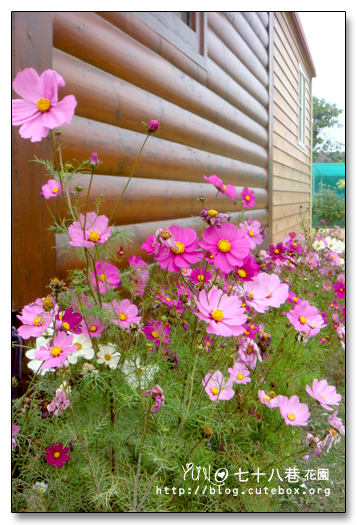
(161, 159)
(244, 29)
(257, 26)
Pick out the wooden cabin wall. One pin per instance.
(291, 163)
(213, 120)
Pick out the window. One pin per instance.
(301, 107)
(186, 30)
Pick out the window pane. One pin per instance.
(183, 15)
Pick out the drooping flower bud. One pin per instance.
(94, 160)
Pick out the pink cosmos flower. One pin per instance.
(248, 198)
(39, 110)
(157, 393)
(14, 431)
(158, 332)
(306, 318)
(312, 260)
(217, 387)
(270, 402)
(336, 423)
(55, 355)
(58, 404)
(223, 313)
(69, 320)
(229, 190)
(293, 412)
(227, 244)
(316, 446)
(325, 394)
(35, 321)
(149, 245)
(249, 353)
(96, 232)
(126, 313)
(253, 232)
(200, 276)
(51, 189)
(57, 455)
(213, 217)
(255, 293)
(95, 327)
(248, 269)
(292, 298)
(108, 276)
(239, 374)
(278, 292)
(185, 252)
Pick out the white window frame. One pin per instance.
(302, 79)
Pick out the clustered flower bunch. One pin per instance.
(201, 336)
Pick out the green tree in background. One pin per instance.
(325, 116)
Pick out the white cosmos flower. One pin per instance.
(40, 487)
(35, 364)
(146, 373)
(319, 245)
(335, 245)
(108, 355)
(84, 348)
(64, 387)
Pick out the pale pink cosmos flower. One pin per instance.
(324, 394)
(223, 313)
(51, 189)
(293, 412)
(184, 254)
(217, 387)
(126, 313)
(14, 431)
(255, 294)
(306, 318)
(55, 355)
(248, 198)
(165, 237)
(239, 374)
(96, 232)
(336, 423)
(253, 232)
(95, 327)
(316, 446)
(107, 275)
(229, 190)
(39, 110)
(249, 353)
(59, 403)
(35, 321)
(270, 402)
(278, 292)
(227, 244)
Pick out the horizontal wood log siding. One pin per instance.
(291, 163)
(211, 121)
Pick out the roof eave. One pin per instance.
(303, 41)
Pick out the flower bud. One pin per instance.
(152, 126)
(94, 160)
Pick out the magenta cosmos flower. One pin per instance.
(229, 190)
(92, 327)
(107, 275)
(223, 313)
(57, 454)
(323, 393)
(96, 231)
(152, 126)
(293, 412)
(69, 320)
(55, 355)
(340, 289)
(227, 244)
(158, 332)
(200, 276)
(217, 387)
(34, 320)
(185, 252)
(306, 318)
(248, 269)
(248, 198)
(126, 313)
(39, 110)
(51, 189)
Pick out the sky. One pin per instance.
(325, 34)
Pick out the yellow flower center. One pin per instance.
(247, 332)
(43, 105)
(212, 213)
(217, 315)
(47, 303)
(291, 417)
(165, 235)
(102, 277)
(276, 251)
(55, 190)
(249, 349)
(180, 248)
(267, 399)
(248, 198)
(268, 295)
(56, 351)
(333, 432)
(38, 321)
(224, 245)
(294, 245)
(251, 295)
(108, 357)
(122, 317)
(251, 233)
(240, 376)
(155, 334)
(200, 277)
(294, 299)
(66, 326)
(79, 346)
(224, 188)
(341, 289)
(57, 454)
(309, 262)
(93, 236)
(241, 273)
(167, 299)
(93, 328)
(41, 490)
(215, 391)
(302, 320)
